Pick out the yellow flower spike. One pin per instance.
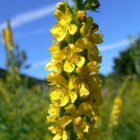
(116, 110)
(9, 38)
(63, 27)
(76, 78)
(81, 15)
(3, 37)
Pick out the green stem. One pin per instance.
(72, 135)
(78, 5)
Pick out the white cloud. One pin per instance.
(114, 45)
(40, 63)
(29, 16)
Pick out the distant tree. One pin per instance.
(129, 60)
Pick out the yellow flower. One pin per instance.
(86, 30)
(81, 15)
(65, 93)
(53, 111)
(73, 56)
(59, 131)
(81, 82)
(92, 50)
(54, 48)
(63, 27)
(80, 124)
(54, 65)
(71, 52)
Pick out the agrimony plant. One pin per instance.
(75, 64)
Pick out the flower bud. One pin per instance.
(81, 15)
(95, 5)
(60, 5)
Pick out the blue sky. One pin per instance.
(32, 19)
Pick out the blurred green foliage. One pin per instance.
(22, 112)
(129, 60)
(128, 127)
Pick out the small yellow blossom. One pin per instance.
(54, 65)
(64, 93)
(81, 125)
(63, 27)
(85, 78)
(59, 132)
(53, 111)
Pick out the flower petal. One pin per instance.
(86, 26)
(92, 67)
(64, 135)
(71, 109)
(79, 60)
(73, 96)
(77, 121)
(64, 99)
(55, 95)
(68, 15)
(80, 44)
(54, 48)
(70, 82)
(59, 55)
(83, 89)
(58, 136)
(52, 129)
(69, 65)
(59, 14)
(65, 120)
(80, 133)
(84, 108)
(94, 80)
(72, 29)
